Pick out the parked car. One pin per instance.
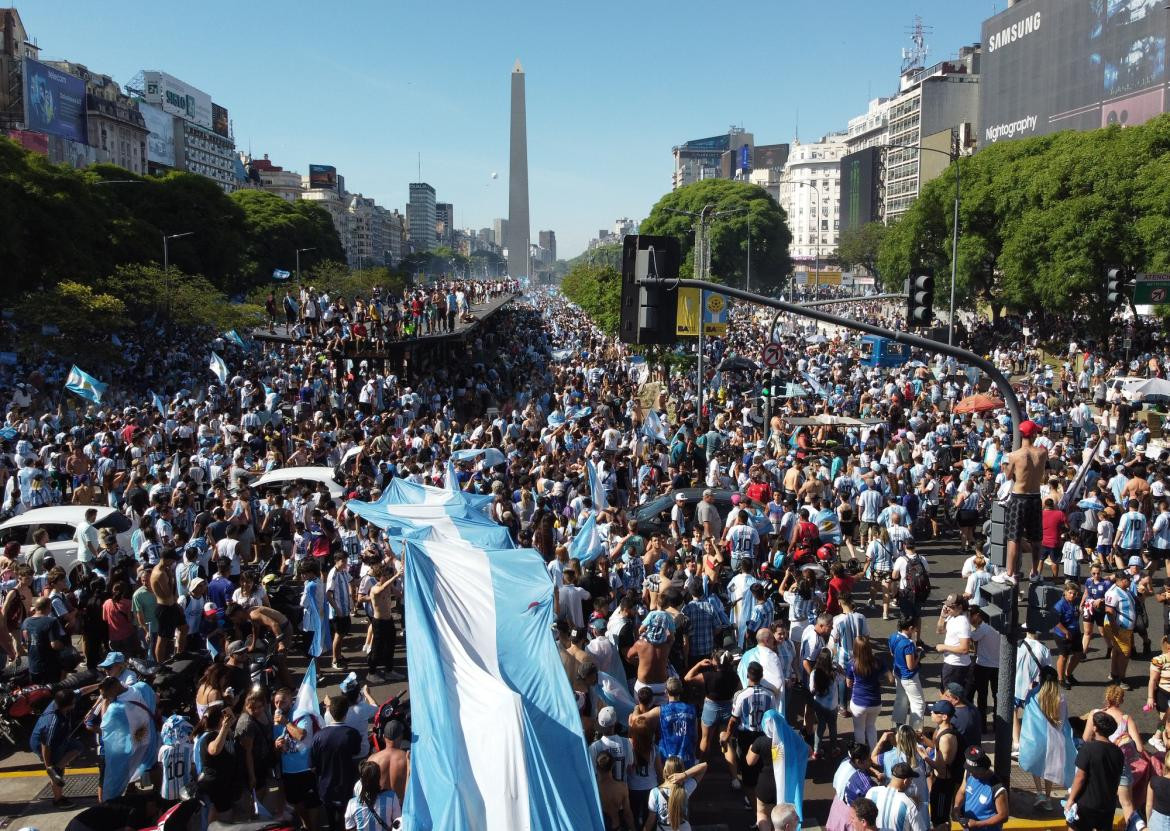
(61, 522)
(313, 474)
(654, 516)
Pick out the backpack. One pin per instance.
(917, 580)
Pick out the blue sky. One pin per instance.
(367, 86)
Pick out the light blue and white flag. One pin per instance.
(307, 702)
(219, 368)
(158, 403)
(234, 337)
(596, 491)
(829, 526)
(790, 755)
(586, 545)
(1047, 750)
(126, 728)
(560, 355)
(817, 387)
(652, 426)
(280, 274)
(315, 621)
(85, 385)
(477, 632)
(491, 458)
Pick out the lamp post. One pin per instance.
(299, 252)
(954, 156)
(166, 238)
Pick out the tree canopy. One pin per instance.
(597, 289)
(736, 207)
(1042, 219)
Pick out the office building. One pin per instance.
(809, 193)
(519, 229)
(420, 217)
(726, 156)
(445, 224)
(548, 242)
(202, 137)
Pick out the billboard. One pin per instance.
(219, 120)
(178, 98)
(160, 144)
(1052, 65)
(54, 102)
(323, 176)
(860, 196)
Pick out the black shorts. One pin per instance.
(170, 618)
(1161, 699)
(766, 786)
(301, 789)
(967, 518)
(942, 800)
(749, 774)
(1089, 819)
(1022, 517)
(341, 625)
(1071, 645)
(1049, 553)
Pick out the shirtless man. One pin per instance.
(394, 758)
(1025, 468)
(1138, 488)
(170, 617)
(615, 795)
(652, 654)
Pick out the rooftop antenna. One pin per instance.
(797, 128)
(915, 57)
(420, 166)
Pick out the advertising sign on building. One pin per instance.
(219, 120)
(1052, 65)
(178, 98)
(160, 144)
(54, 102)
(323, 176)
(36, 142)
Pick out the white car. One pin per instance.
(61, 522)
(313, 474)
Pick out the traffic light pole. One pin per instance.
(1007, 654)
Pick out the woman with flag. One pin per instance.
(1047, 750)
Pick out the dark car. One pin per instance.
(654, 516)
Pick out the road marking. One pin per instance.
(29, 774)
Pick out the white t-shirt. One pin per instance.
(226, 548)
(899, 570)
(619, 748)
(660, 805)
(958, 629)
(85, 536)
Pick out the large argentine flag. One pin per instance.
(498, 743)
(586, 545)
(596, 491)
(126, 737)
(789, 760)
(491, 458)
(1046, 749)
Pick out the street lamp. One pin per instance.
(954, 156)
(167, 263)
(299, 252)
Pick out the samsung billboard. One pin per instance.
(1052, 65)
(54, 102)
(178, 98)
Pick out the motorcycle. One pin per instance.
(21, 703)
(136, 812)
(174, 681)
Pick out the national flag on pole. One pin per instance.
(596, 491)
(280, 274)
(234, 336)
(586, 545)
(85, 385)
(307, 702)
(158, 403)
(219, 368)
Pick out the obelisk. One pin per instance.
(518, 228)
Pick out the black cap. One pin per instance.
(903, 771)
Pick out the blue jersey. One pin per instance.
(676, 721)
(1132, 530)
(979, 799)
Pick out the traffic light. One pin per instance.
(996, 602)
(920, 305)
(649, 313)
(1117, 285)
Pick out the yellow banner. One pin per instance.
(689, 313)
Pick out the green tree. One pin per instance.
(71, 321)
(597, 289)
(736, 207)
(610, 254)
(274, 229)
(859, 246)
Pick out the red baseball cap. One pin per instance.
(1029, 429)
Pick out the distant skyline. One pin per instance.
(368, 86)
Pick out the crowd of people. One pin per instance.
(720, 561)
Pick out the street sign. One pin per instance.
(1151, 288)
(772, 355)
(688, 316)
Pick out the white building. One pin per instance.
(871, 128)
(810, 194)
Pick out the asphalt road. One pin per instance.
(714, 805)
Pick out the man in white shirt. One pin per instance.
(618, 747)
(896, 810)
(955, 627)
(909, 561)
(362, 708)
(986, 668)
(86, 537)
(570, 598)
(812, 640)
